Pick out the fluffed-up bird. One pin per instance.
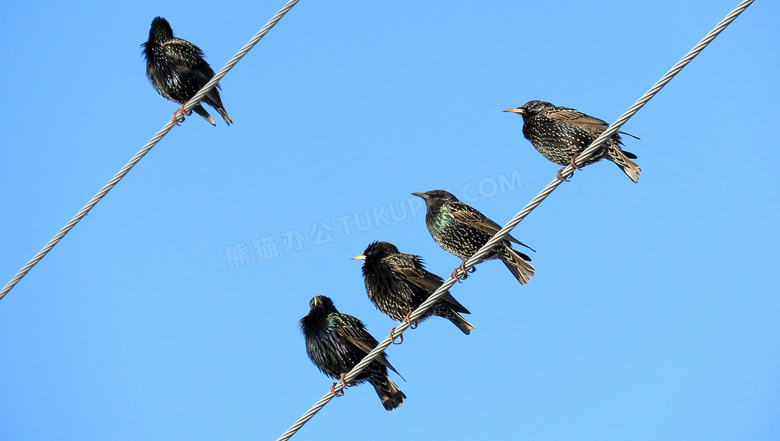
(462, 230)
(177, 70)
(336, 342)
(397, 283)
(560, 134)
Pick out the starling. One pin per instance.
(398, 283)
(336, 342)
(462, 230)
(177, 70)
(560, 134)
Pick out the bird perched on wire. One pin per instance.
(398, 283)
(462, 230)
(336, 342)
(177, 71)
(560, 134)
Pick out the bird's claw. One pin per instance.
(392, 338)
(456, 275)
(179, 114)
(343, 383)
(461, 273)
(573, 163)
(412, 324)
(561, 178)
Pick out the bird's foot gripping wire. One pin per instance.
(573, 161)
(408, 319)
(561, 178)
(573, 166)
(179, 114)
(400, 336)
(460, 273)
(341, 392)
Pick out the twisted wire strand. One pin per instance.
(167, 128)
(243, 51)
(499, 236)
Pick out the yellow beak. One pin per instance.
(360, 257)
(515, 110)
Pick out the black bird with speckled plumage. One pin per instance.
(336, 342)
(397, 283)
(562, 133)
(462, 230)
(177, 70)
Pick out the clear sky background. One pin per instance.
(654, 313)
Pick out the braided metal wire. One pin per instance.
(499, 236)
(164, 131)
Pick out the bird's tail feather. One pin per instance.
(460, 322)
(454, 304)
(202, 112)
(389, 393)
(624, 133)
(621, 158)
(224, 114)
(521, 269)
(449, 308)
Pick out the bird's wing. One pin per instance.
(182, 52)
(470, 216)
(188, 59)
(403, 266)
(355, 333)
(593, 127)
(575, 117)
(411, 269)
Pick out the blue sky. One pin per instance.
(654, 311)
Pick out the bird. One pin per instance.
(177, 70)
(397, 283)
(560, 134)
(462, 230)
(336, 342)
